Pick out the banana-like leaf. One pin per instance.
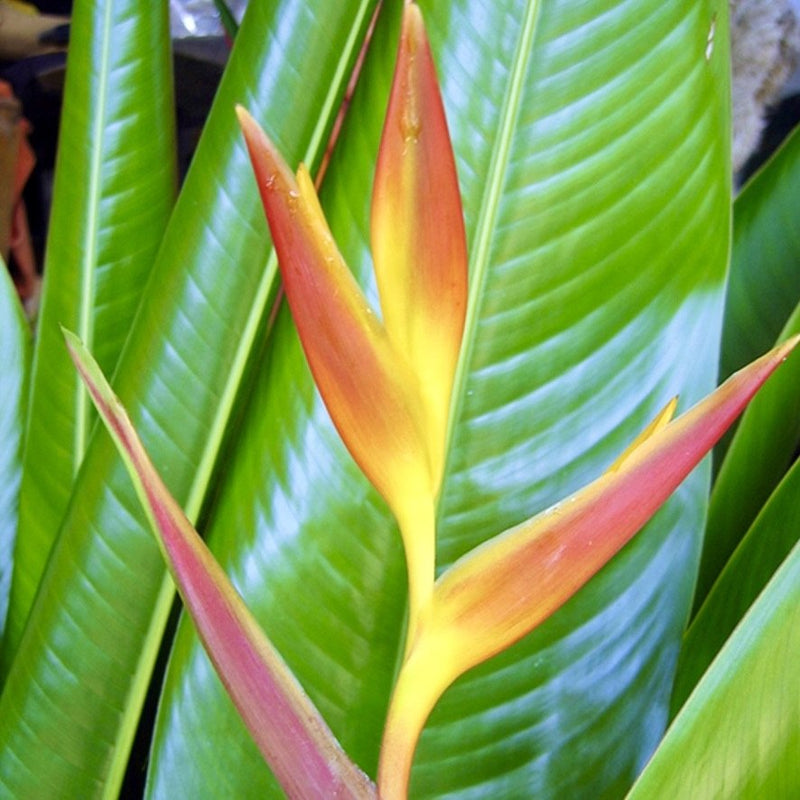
(288, 729)
(764, 281)
(114, 188)
(764, 276)
(591, 144)
(769, 541)
(14, 363)
(761, 451)
(738, 734)
(86, 656)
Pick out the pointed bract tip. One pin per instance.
(261, 148)
(250, 128)
(412, 16)
(790, 345)
(69, 337)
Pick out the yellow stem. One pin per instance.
(425, 674)
(417, 523)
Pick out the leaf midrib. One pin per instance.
(487, 216)
(85, 322)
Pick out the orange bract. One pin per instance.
(504, 588)
(418, 238)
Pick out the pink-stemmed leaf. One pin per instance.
(291, 734)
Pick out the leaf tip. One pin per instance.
(70, 338)
(788, 346)
(80, 355)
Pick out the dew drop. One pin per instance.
(292, 200)
(410, 125)
(410, 119)
(710, 38)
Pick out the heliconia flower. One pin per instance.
(385, 382)
(294, 739)
(504, 588)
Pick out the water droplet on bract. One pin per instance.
(410, 120)
(292, 199)
(410, 125)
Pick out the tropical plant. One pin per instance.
(591, 145)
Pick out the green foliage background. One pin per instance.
(592, 147)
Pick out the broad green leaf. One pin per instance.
(771, 537)
(591, 144)
(764, 281)
(289, 731)
(761, 451)
(115, 184)
(14, 358)
(738, 734)
(86, 656)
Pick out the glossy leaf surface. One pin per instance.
(14, 363)
(591, 146)
(764, 282)
(115, 184)
(768, 542)
(86, 657)
(738, 734)
(494, 595)
(764, 289)
(761, 451)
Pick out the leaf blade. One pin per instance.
(758, 556)
(760, 452)
(502, 590)
(15, 344)
(762, 289)
(181, 392)
(573, 349)
(737, 735)
(579, 336)
(114, 188)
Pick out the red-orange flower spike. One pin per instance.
(367, 386)
(418, 239)
(290, 732)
